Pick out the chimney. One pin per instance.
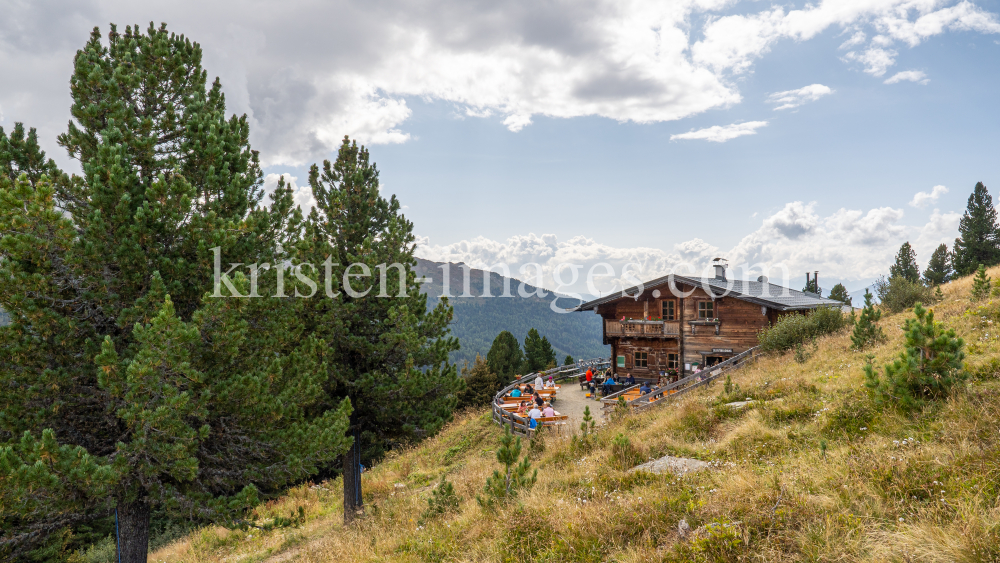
(816, 283)
(720, 268)
(807, 281)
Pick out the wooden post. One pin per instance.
(680, 340)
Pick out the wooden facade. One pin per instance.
(659, 332)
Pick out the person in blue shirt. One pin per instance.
(515, 393)
(644, 388)
(630, 380)
(608, 383)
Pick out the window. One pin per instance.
(706, 310)
(668, 310)
(673, 361)
(640, 360)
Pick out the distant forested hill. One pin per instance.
(478, 320)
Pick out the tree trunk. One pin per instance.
(352, 482)
(133, 531)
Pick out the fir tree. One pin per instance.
(939, 268)
(481, 384)
(505, 357)
(927, 369)
(124, 386)
(569, 360)
(980, 285)
(839, 293)
(388, 353)
(866, 330)
(906, 265)
(979, 234)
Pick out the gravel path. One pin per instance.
(571, 400)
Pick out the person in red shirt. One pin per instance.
(590, 375)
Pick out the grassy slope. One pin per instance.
(774, 496)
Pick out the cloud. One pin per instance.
(721, 134)
(795, 98)
(847, 244)
(910, 75)
(921, 199)
(306, 74)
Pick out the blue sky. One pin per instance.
(541, 132)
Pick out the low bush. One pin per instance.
(899, 294)
(793, 330)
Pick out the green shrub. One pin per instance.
(792, 330)
(443, 500)
(899, 294)
(926, 370)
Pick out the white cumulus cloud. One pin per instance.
(795, 98)
(848, 244)
(921, 199)
(908, 75)
(721, 134)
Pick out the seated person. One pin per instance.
(608, 383)
(539, 400)
(523, 409)
(644, 388)
(515, 393)
(629, 380)
(529, 390)
(535, 412)
(551, 384)
(548, 410)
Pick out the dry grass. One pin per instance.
(872, 495)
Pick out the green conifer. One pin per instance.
(505, 357)
(979, 234)
(980, 285)
(906, 265)
(388, 353)
(503, 487)
(839, 293)
(939, 268)
(145, 392)
(481, 384)
(866, 330)
(927, 369)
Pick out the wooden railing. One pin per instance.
(672, 390)
(520, 424)
(642, 328)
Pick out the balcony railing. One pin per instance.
(666, 329)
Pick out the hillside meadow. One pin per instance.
(809, 470)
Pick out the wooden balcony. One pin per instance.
(643, 329)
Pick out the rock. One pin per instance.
(738, 404)
(683, 528)
(677, 465)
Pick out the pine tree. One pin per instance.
(481, 384)
(979, 234)
(505, 357)
(569, 360)
(927, 369)
(538, 353)
(503, 487)
(939, 268)
(124, 386)
(866, 330)
(388, 353)
(980, 285)
(839, 293)
(906, 265)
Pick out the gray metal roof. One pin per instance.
(761, 293)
